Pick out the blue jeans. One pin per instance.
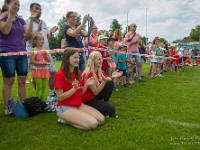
(137, 57)
(83, 65)
(10, 64)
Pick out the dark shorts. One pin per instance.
(10, 64)
(124, 72)
(153, 62)
(193, 57)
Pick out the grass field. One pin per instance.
(160, 114)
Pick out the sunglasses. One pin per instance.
(95, 28)
(135, 26)
(72, 17)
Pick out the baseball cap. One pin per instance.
(119, 47)
(100, 37)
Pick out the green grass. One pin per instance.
(150, 115)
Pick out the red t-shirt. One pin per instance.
(62, 83)
(187, 62)
(89, 95)
(104, 54)
(198, 61)
(174, 54)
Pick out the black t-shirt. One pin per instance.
(73, 41)
(142, 50)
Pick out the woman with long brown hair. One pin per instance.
(117, 35)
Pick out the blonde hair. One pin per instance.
(35, 38)
(90, 67)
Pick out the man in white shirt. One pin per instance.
(40, 26)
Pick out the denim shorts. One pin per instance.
(10, 64)
(51, 67)
(135, 55)
(83, 65)
(61, 109)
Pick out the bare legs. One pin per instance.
(85, 117)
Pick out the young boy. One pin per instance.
(102, 44)
(121, 65)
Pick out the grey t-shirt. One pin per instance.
(44, 32)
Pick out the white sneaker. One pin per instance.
(160, 75)
(60, 120)
(27, 82)
(8, 111)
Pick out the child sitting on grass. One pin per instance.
(187, 62)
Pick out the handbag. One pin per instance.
(129, 40)
(18, 109)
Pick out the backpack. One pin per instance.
(18, 109)
(34, 105)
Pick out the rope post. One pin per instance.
(89, 19)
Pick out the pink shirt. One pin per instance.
(133, 47)
(92, 39)
(118, 43)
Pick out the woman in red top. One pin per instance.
(103, 87)
(69, 89)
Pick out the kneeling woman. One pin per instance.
(68, 89)
(103, 87)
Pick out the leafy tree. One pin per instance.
(144, 39)
(161, 40)
(60, 33)
(125, 31)
(176, 41)
(115, 25)
(20, 16)
(195, 33)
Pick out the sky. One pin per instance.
(169, 19)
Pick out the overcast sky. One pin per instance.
(170, 19)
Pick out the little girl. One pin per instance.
(112, 51)
(153, 62)
(176, 60)
(160, 60)
(40, 63)
(105, 55)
